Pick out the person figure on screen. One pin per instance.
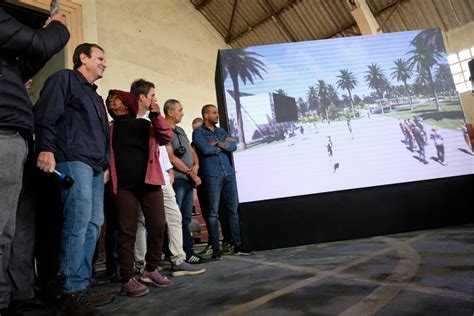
(349, 126)
(465, 132)
(329, 147)
(419, 123)
(302, 132)
(214, 147)
(402, 128)
(439, 144)
(408, 134)
(420, 141)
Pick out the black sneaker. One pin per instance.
(195, 259)
(216, 254)
(239, 250)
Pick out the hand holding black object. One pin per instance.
(64, 180)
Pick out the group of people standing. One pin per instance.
(142, 160)
(415, 137)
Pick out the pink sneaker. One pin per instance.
(133, 288)
(155, 278)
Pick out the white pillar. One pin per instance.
(364, 17)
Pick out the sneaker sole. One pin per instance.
(135, 295)
(183, 273)
(150, 281)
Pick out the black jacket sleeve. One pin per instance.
(49, 109)
(33, 48)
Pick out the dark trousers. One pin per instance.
(126, 206)
(440, 152)
(111, 265)
(49, 222)
(21, 263)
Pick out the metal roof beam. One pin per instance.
(229, 29)
(268, 16)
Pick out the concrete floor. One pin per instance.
(427, 272)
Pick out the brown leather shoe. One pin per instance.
(77, 304)
(99, 299)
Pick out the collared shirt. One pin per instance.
(181, 139)
(71, 120)
(212, 160)
(165, 164)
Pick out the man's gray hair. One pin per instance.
(169, 105)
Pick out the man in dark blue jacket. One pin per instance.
(23, 52)
(71, 128)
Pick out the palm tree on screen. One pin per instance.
(323, 95)
(281, 92)
(427, 51)
(376, 80)
(347, 81)
(445, 78)
(245, 65)
(312, 97)
(402, 72)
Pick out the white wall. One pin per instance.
(167, 42)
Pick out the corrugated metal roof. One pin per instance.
(258, 22)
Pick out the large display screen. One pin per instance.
(338, 114)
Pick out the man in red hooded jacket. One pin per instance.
(136, 179)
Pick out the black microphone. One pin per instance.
(63, 179)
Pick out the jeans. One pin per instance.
(184, 197)
(83, 218)
(13, 152)
(222, 199)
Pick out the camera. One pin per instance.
(179, 151)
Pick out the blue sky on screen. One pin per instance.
(294, 67)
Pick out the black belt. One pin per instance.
(8, 131)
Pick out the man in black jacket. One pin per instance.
(23, 52)
(72, 136)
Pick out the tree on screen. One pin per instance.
(312, 97)
(427, 51)
(445, 79)
(245, 65)
(402, 72)
(347, 81)
(323, 94)
(376, 80)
